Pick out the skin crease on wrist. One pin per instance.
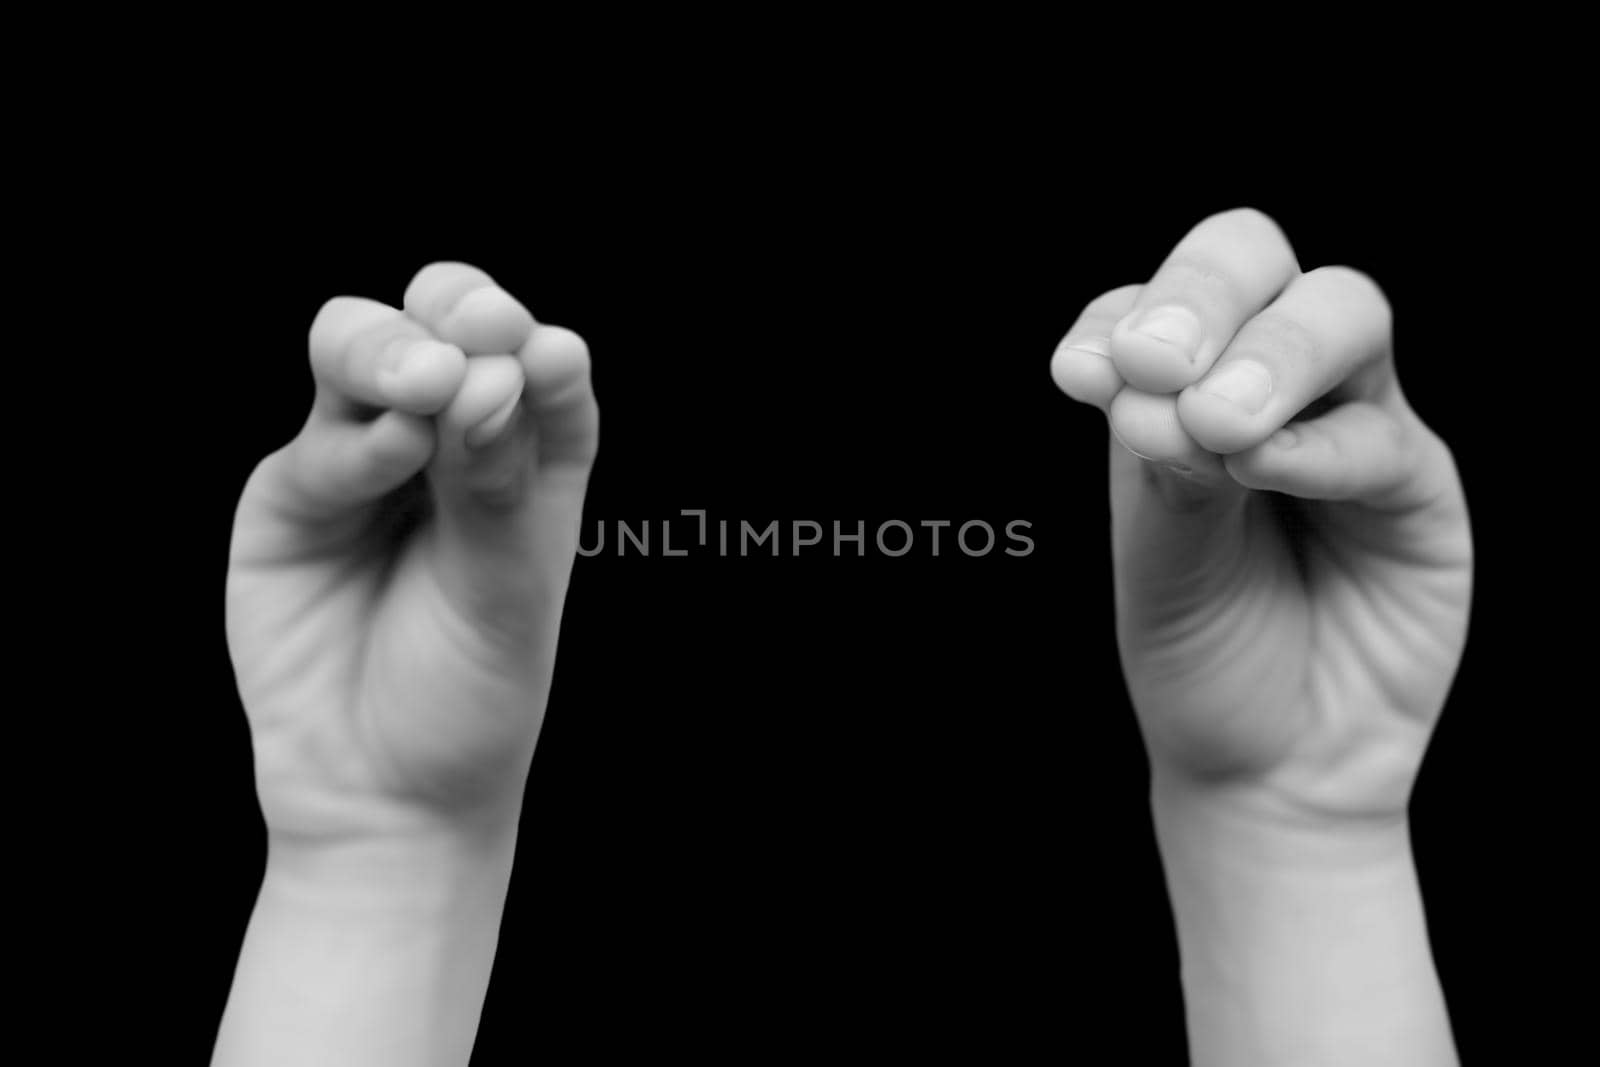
(1292, 564)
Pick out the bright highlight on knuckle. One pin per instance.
(554, 357)
(1251, 221)
(1257, 228)
(439, 286)
(344, 320)
(483, 299)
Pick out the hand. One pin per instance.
(1292, 554)
(1293, 569)
(397, 571)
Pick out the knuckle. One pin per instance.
(444, 270)
(1354, 288)
(439, 284)
(575, 349)
(341, 322)
(557, 357)
(330, 315)
(1249, 219)
(1280, 337)
(442, 266)
(1190, 276)
(1253, 229)
(381, 343)
(1251, 225)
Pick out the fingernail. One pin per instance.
(1173, 325)
(1100, 346)
(1244, 383)
(490, 428)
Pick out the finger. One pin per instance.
(1171, 543)
(1362, 450)
(1147, 425)
(462, 305)
(1081, 365)
(1224, 271)
(336, 466)
(560, 397)
(483, 455)
(364, 353)
(1330, 329)
(495, 561)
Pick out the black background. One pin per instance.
(815, 803)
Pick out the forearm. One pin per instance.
(372, 952)
(1300, 944)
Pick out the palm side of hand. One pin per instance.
(393, 639)
(363, 680)
(1292, 553)
(1317, 659)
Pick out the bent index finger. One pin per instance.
(1081, 366)
(367, 353)
(1328, 333)
(1224, 270)
(464, 306)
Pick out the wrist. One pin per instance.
(371, 950)
(1249, 827)
(423, 869)
(1300, 936)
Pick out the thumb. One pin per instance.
(1177, 548)
(481, 478)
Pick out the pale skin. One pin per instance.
(394, 595)
(394, 598)
(1293, 570)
